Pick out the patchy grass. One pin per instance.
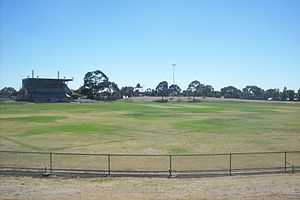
(124, 127)
(80, 128)
(33, 119)
(205, 125)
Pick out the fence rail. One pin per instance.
(140, 164)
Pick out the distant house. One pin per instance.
(44, 90)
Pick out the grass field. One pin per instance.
(150, 128)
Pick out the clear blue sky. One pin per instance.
(241, 42)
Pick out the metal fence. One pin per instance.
(139, 164)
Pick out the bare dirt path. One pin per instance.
(266, 187)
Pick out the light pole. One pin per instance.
(173, 65)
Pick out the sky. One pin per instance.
(221, 43)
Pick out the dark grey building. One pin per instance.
(44, 90)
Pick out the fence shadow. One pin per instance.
(50, 164)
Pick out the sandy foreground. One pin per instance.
(273, 187)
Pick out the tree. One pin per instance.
(97, 86)
(284, 94)
(298, 95)
(253, 92)
(290, 95)
(108, 91)
(94, 82)
(184, 93)
(273, 94)
(195, 89)
(137, 89)
(208, 91)
(150, 92)
(138, 85)
(8, 92)
(231, 92)
(162, 89)
(217, 94)
(174, 90)
(127, 91)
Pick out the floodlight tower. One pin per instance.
(173, 67)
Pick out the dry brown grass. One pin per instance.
(268, 187)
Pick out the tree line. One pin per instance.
(96, 85)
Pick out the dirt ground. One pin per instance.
(266, 187)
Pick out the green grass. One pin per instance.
(124, 127)
(33, 119)
(80, 128)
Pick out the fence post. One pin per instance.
(170, 165)
(230, 163)
(285, 162)
(108, 164)
(50, 162)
